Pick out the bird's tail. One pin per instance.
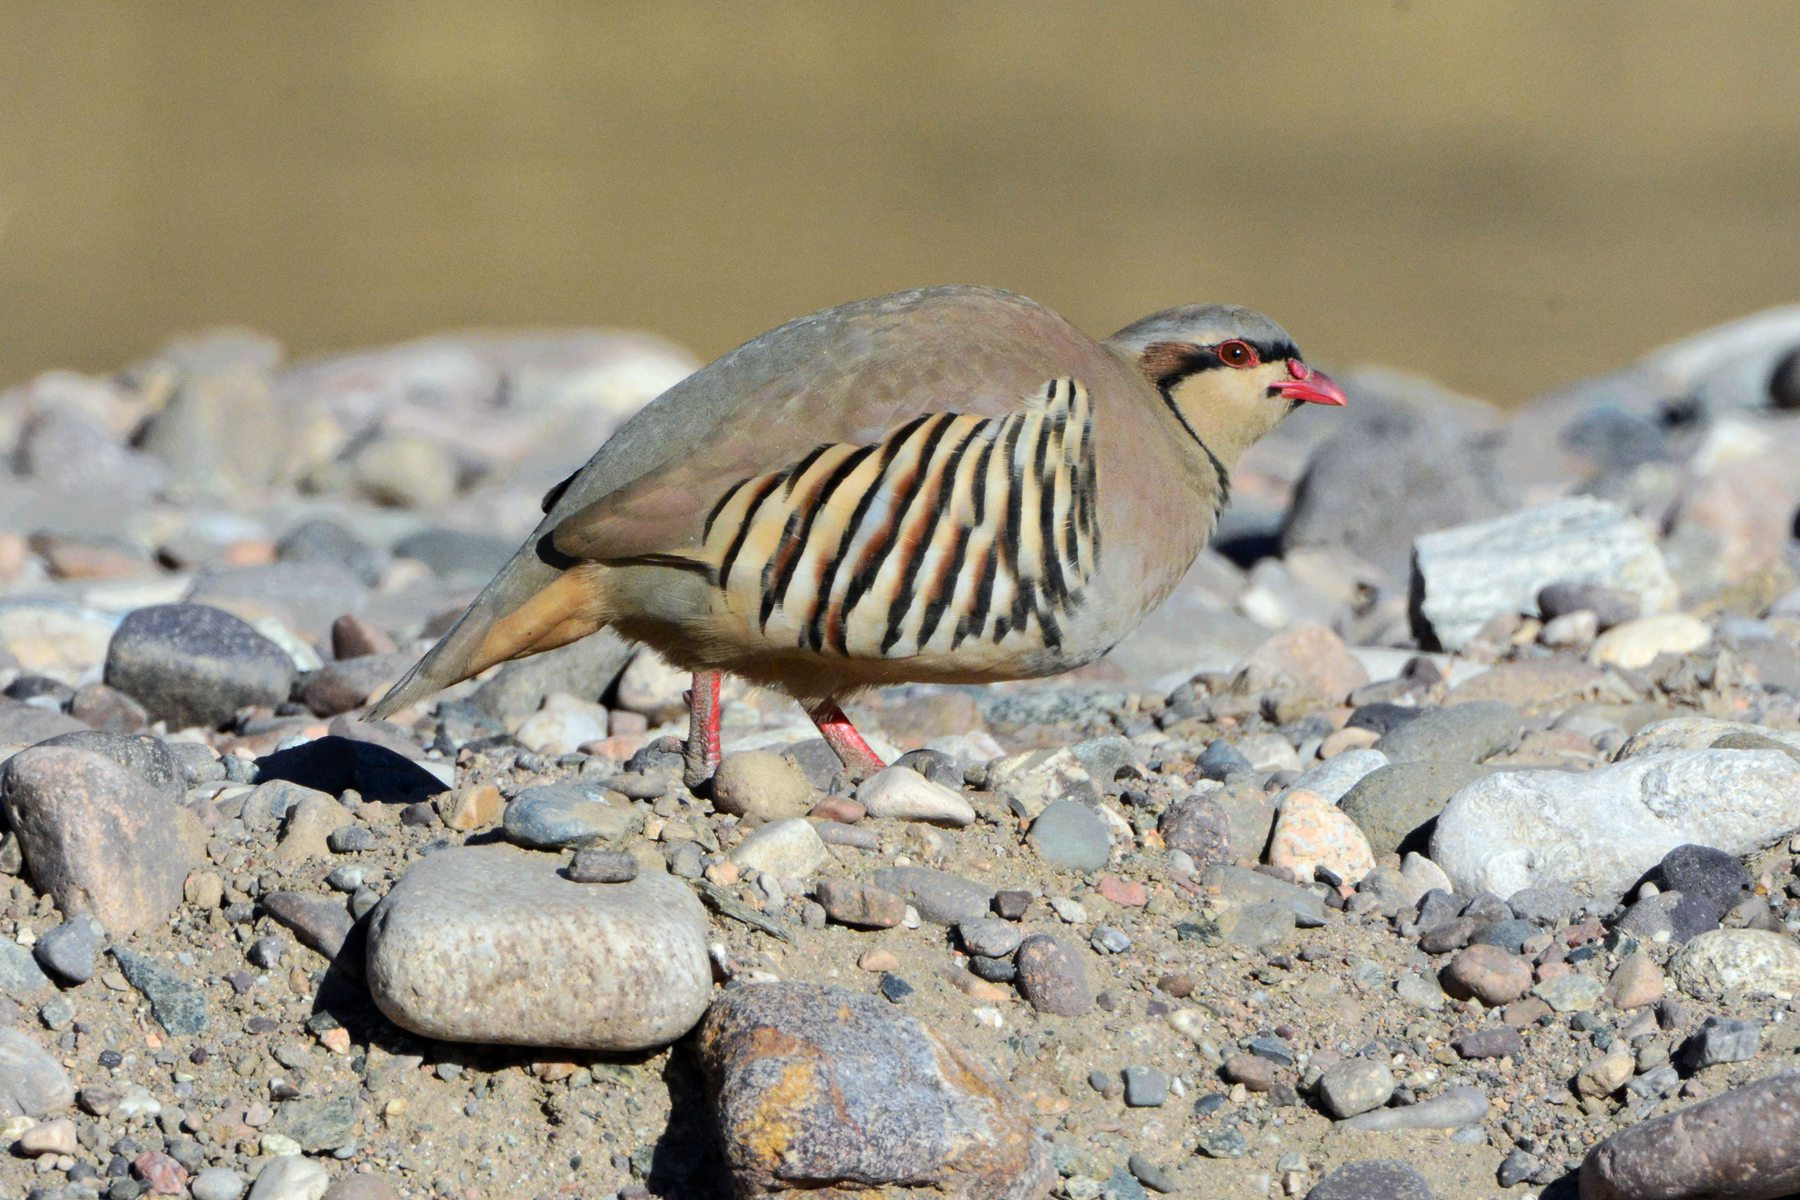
(529, 607)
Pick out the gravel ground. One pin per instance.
(1439, 831)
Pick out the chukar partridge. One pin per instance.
(952, 484)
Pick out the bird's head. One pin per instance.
(1227, 374)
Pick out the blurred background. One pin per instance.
(1505, 196)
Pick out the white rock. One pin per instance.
(1605, 828)
(1695, 733)
(1760, 962)
(652, 687)
(1636, 644)
(291, 1177)
(1333, 778)
(903, 794)
(54, 637)
(1571, 629)
(790, 849)
(495, 944)
(563, 725)
(1473, 572)
(1422, 875)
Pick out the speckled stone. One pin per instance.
(190, 664)
(1051, 976)
(1743, 1145)
(815, 1085)
(1372, 1179)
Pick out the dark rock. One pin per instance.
(1146, 1087)
(1497, 1041)
(1614, 606)
(323, 541)
(68, 950)
(1721, 1040)
(1199, 826)
(178, 1006)
(940, 897)
(817, 1087)
(338, 687)
(189, 664)
(319, 1124)
(1221, 760)
(1743, 1145)
(1372, 1179)
(1051, 977)
(319, 923)
(456, 554)
(1510, 935)
(585, 669)
(1710, 876)
(602, 866)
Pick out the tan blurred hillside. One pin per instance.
(1506, 195)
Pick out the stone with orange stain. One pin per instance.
(1311, 832)
(825, 1093)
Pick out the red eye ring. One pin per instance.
(1237, 353)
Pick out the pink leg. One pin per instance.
(702, 749)
(859, 761)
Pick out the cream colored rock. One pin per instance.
(563, 725)
(789, 849)
(1636, 644)
(902, 794)
(495, 944)
(1722, 960)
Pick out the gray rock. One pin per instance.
(267, 805)
(189, 664)
(216, 1183)
(1333, 778)
(1146, 1087)
(324, 541)
(1437, 471)
(1242, 886)
(145, 756)
(493, 944)
(178, 1006)
(1464, 576)
(602, 866)
(97, 837)
(1711, 876)
(1070, 834)
(319, 923)
(68, 950)
(305, 597)
(28, 724)
(584, 669)
(20, 976)
(1759, 962)
(1610, 606)
(940, 897)
(1721, 1040)
(456, 553)
(1397, 805)
(902, 794)
(1607, 827)
(860, 1092)
(1355, 1085)
(32, 1083)
(323, 1123)
(989, 936)
(290, 1177)
(1457, 733)
(1743, 1145)
(1051, 977)
(338, 687)
(1456, 1107)
(554, 816)
(1372, 1179)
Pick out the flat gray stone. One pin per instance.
(1607, 827)
(178, 1006)
(939, 896)
(1458, 733)
(493, 944)
(1396, 804)
(553, 816)
(1071, 834)
(32, 1083)
(1466, 575)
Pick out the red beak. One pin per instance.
(1310, 386)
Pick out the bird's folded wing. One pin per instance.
(803, 386)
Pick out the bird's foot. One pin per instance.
(859, 760)
(701, 751)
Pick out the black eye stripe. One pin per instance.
(1206, 358)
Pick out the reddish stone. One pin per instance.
(1124, 892)
(163, 1175)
